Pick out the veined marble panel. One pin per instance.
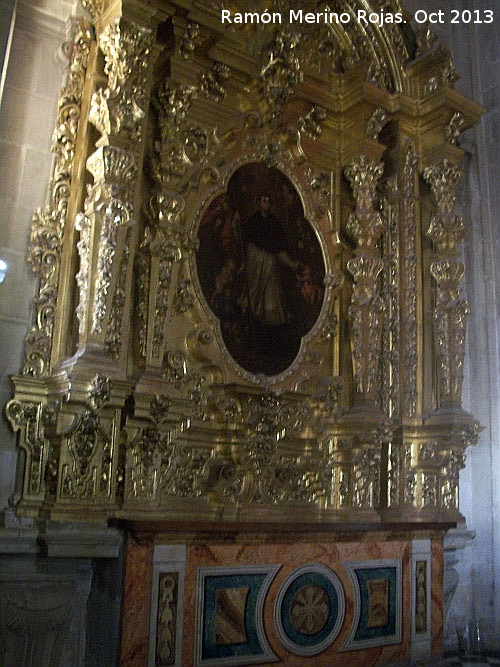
(136, 604)
(437, 605)
(229, 615)
(291, 557)
(377, 603)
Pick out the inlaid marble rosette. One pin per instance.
(309, 610)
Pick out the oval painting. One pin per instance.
(260, 268)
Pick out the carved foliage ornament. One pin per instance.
(84, 439)
(296, 47)
(281, 70)
(263, 473)
(110, 203)
(162, 465)
(183, 144)
(389, 386)
(120, 107)
(164, 243)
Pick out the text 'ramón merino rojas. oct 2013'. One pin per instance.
(300, 16)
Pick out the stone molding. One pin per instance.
(58, 540)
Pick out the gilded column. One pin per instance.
(365, 226)
(450, 314)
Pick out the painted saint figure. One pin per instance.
(266, 247)
(260, 268)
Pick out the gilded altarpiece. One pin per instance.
(182, 366)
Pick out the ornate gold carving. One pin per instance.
(365, 226)
(376, 124)
(394, 476)
(28, 417)
(446, 231)
(95, 7)
(321, 185)
(83, 225)
(410, 280)
(431, 85)
(159, 463)
(450, 74)
(212, 82)
(366, 477)
(163, 245)
(119, 109)
(173, 154)
(320, 49)
(444, 74)
(99, 391)
(263, 473)
(184, 432)
(187, 42)
(389, 388)
(45, 256)
(452, 465)
(83, 439)
(281, 70)
(429, 490)
(110, 199)
(113, 339)
(183, 299)
(330, 325)
(454, 127)
(410, 477)
(426, 39)
(48, 226)
(115, 216)
(310, 123)
(173, 105)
